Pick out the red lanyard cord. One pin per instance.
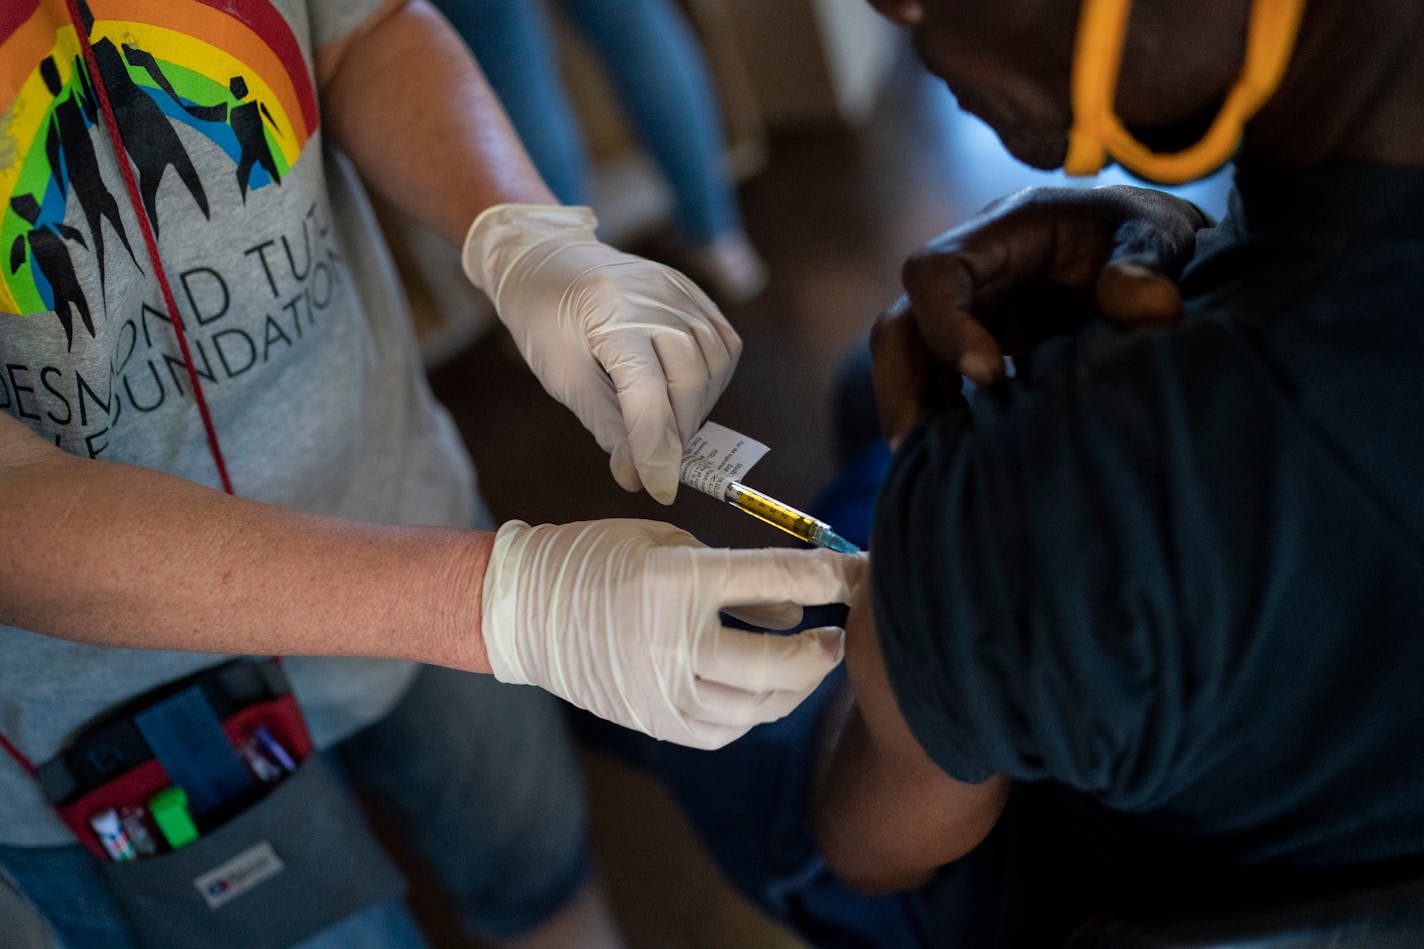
(19, 758)
(116, 138)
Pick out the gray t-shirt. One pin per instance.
(295, 319)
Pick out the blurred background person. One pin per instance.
(660, 76)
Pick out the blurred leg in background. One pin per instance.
(662, 81)
(495, 813)
(513, 41)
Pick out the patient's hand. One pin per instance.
(1038, 263)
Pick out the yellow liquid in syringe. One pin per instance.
(787, 518)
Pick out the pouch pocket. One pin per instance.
(295, 862)
(282, 717)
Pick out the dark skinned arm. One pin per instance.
(885, 815)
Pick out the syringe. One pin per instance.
(794, 522)
(714, 459)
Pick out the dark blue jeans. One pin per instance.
(749, 803)
(657, 70)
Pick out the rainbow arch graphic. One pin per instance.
(199, 46)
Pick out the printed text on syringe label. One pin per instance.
(717, 456)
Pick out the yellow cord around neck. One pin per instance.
(1097, 61)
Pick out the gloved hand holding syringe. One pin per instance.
(714, 461)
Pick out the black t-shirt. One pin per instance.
(1178, 573)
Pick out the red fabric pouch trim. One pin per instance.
(282, 718)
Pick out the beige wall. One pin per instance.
(813, 62)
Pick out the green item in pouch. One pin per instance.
(169, 808)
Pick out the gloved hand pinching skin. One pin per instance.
(634, 348)
(620, 617)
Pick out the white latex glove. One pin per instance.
(619, 617)
(634, 348)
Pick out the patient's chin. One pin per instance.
(1176, 136)
(1046, 152)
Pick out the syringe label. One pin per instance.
(703, 477)
(717, 456)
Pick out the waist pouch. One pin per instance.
(286, 860)
(294, 863)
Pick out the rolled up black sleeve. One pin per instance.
(1051, 591)
(1181, 569)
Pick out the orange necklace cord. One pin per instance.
(1097, 132)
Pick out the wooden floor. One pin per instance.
(835, 214)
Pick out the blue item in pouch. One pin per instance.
(189, 741)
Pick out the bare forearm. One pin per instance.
(124, 556)
(406, 101)
(886, 816)
(868, 832)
